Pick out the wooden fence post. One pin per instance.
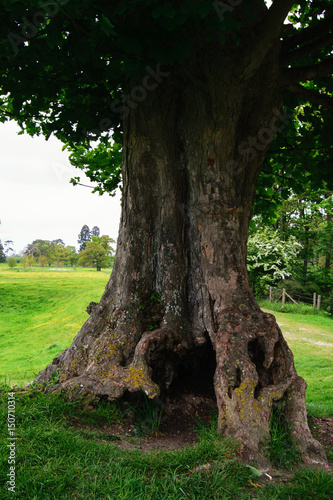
(283, 297)
(270, 293)
(318, 302)
(314, 301)
(294, 301)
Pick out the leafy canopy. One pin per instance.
(69, 61)
(73, 69)
(83, 237)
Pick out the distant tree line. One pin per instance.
(94, 250)
(45, 252)
(2, 253)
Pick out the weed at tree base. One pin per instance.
(280, 448)
(148, 415)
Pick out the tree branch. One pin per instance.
(273, 21)
(307, 35)
(309, 95)
(308, 49)
(267, 32)
(277, 174)
(306, 73)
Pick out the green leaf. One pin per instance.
(255, 472)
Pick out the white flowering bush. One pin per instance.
(270, 259)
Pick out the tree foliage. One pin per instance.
(97, 252)
(12, 262)
(307, 219)
(270, 258)
(45, 252)
(102, 165)
(50, 85)
(95, 231)
(27, 260)
(5, 248)
(2, 253)
(84, 237)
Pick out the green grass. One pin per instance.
(306, 485)
(281, 450)
(64, 451)
(58, 459)
(41, 311)
(311, 340)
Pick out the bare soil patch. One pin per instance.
(322, 430)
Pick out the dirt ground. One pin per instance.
(322, 430)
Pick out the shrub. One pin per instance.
(12, 262)
(270, 259)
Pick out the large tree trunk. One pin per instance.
(178, 307)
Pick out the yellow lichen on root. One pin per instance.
(137, 377)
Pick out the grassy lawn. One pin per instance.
(312, 346)
(310, 337)
(41, 311)
(65, 450)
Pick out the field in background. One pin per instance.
(41, 311)
(311, 340)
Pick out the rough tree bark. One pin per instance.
(179, 299)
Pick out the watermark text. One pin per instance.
(11, 422)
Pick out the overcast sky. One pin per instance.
(36, 199)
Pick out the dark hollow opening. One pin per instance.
(192, 373)
(187, 390)
(257, 356)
